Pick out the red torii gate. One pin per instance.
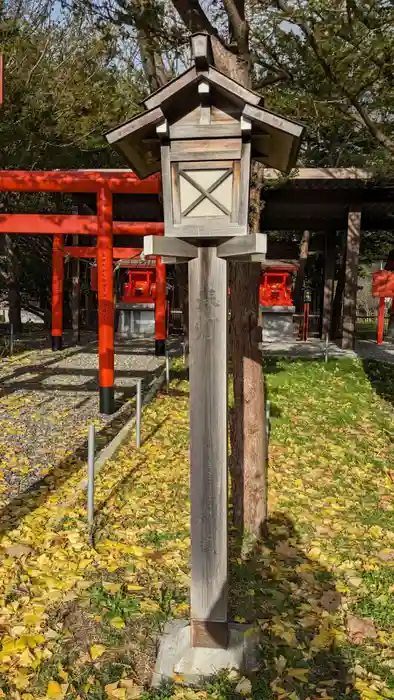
(104, 184)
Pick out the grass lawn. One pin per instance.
(83, 623)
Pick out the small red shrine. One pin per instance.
(276, 303)
(140, 287)
(383, 283)
(137, 297)
(276, 285)
(382, 287)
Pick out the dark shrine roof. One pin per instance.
(317, 199)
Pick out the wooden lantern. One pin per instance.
(202, 130)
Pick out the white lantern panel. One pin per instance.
(205, 192)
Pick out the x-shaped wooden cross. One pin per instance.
(206, 193)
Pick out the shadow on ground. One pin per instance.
(294, 603)
(381, 376)
(292, 598)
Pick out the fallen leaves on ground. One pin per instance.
(84, 622)
(74, 618)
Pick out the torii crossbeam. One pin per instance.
(104, 184)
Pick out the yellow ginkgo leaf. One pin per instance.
(117, 623)
(111, 687)
(300, 674)
(21, 680)
(111, 586)
(54, 690)
(96, 651)
(136, 551)
(323, 640)
(119, 693)
(26, 658)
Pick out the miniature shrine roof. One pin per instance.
(275, 140)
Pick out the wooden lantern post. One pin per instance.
(202, 131)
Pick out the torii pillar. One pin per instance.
(57, 291)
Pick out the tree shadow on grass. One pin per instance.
(295, 603)
(381, 377)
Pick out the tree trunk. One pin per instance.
(329, 275)
(13, 284)
(338, 297)
(304, 250)
(247, 423)
(247, 418)
(351, 277)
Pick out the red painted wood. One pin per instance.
(139, 228)
(276, 287)
(93, 278)
(383, 283)
(77, 181)
(80, 251)
(105, 288)
(91, 252)
(380, 333)
(57, 285)
(49, 224)
(160, 305)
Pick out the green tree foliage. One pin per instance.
(64, 86)
(336, 60)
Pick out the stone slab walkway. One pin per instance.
(48, 400)
(314, 349)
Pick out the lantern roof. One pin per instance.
(275, 140)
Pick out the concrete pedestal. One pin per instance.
(277, 323)
(136, 320)
(193, 666)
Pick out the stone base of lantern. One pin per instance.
(178, 660)
(135, 320)
(277, 323)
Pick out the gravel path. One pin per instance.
(47, 402)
